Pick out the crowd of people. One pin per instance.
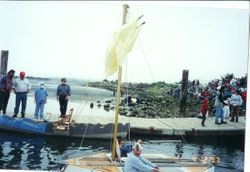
(22, 86)
(224, 98)
(229, 96)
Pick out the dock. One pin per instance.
(185, 127)
(163, 126)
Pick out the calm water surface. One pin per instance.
(21, 151)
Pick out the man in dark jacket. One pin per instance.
(63, 93)
(6, 83)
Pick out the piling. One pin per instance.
(184, 92)
(4, 62)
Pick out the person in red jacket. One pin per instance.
(244, 98)
(204, 108)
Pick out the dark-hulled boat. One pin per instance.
(63, 127)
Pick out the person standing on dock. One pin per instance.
(21, 87)
(63, 94)
(226, 110)
(6, 82)
(219, 102)
(136, 163)
(40, 99)
(236, 102)
(204, 110)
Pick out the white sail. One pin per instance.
(121, 44)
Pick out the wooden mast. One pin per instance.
(118, 92)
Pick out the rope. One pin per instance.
(111, 136)
(83, 136)
(145, 57)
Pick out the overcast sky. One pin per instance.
(69, 39)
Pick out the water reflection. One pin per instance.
(25, 152)
(47, 153)
(179, 150)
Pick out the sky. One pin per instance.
(70, 39)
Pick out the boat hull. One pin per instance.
(30, 126)
(101, 163)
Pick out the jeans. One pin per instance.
(63, 105)
(39, 106)
(203, 119)
(20, 97)
(218, 113)
(4, 98)
(235, 111)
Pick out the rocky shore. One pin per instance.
(148, 100)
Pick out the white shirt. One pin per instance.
(21, 85)
(226, 111)
(236, 100)
(137, 164)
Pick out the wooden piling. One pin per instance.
(184, 93)
(4, 62)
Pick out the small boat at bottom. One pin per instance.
(102, 163)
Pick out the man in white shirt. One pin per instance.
(21, 87)
(236, 102)
(136, 163)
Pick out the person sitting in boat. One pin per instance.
(124, 148)
(136, 163)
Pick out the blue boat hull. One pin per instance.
(26, 125)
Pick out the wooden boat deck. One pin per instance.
(101, 163)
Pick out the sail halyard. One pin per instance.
(118, 92)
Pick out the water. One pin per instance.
(21, 151)
(80, 100)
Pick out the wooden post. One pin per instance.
(118, 93)
(184, 92)
(4, 62)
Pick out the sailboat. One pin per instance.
(101, 162)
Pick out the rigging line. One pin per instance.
(79, 106)
(111, 136)
(127, 92)
(145, 57)
(77, 110)
(78, 113)
(83, 136)
(172, 127)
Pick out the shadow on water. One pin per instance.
(23, 151)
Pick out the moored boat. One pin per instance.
(102, 162)
(63, 127)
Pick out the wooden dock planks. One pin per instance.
(163, 126)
